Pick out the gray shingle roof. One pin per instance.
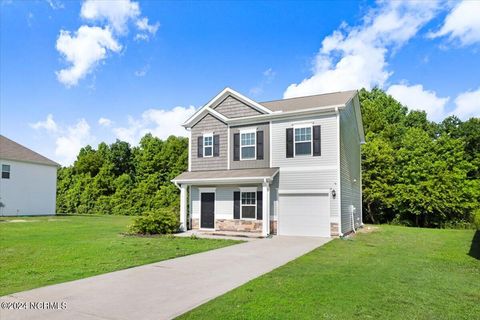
(308, 102)
(227, 174)
(10, 150)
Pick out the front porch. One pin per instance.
(232, 235)
(227, 200)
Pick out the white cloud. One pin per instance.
(161, 123)
(467, 105)
(462, 24)
(149, 29)
(117, 13)
(55, 4)
(90, 44)
(49, 124)
(68, 139)
(142, 71)
(83, 50)
(69, 144)
(267, 77)
(355, 57)
(417, 98)
(105, 122)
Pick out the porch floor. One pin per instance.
(236, 235)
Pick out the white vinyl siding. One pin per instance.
(310, 179)
(329, 146)
(30, 190)
(350, 169)
(303, 173)
(223, 201)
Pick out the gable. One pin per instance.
(209, 122)
(230, 102)
(231, 107)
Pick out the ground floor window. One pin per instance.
(249, 205)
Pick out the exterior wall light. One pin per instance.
(334, 194)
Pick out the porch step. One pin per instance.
(256, 235)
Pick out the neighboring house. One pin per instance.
(287, 167)
(28, 182)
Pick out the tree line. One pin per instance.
(415, 171)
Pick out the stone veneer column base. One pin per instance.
(195, 223)
(273, 227)
(238, 225)
(334, 229)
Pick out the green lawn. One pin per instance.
(394, 273)
(48, 250)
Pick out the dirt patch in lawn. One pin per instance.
(368, 229)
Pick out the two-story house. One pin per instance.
(287, 167)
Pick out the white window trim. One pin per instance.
(248, 205)
(207, 135)
(9, 171)
(295, 142)
(254, 131)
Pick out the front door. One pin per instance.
(207, 210)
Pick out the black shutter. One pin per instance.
(259, 145)
(316, 141)
(289, 142)
(216, 145)
(200, 147)
(259, 205)
(236, 147)
(236, 205)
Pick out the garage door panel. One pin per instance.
(304, 215)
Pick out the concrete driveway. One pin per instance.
(164, 289)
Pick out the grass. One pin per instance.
(393, 273)
(49, 250)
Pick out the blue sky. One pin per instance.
(131, 67)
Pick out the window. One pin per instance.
(249, 205)
(208, 145)
(303, 141)
(5, 171)
(247, 145)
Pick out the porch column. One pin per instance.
(266, 209)
(183, 207)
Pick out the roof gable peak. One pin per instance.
(209, 107)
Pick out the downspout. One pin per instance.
(176, 184)
(353, 221)
(339, 186)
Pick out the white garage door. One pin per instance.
(304, 215)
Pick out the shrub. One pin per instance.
(159, 221)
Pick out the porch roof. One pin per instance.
(226, 176)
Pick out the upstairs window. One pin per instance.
(247, 145)
(303, 141)
(5, 171)
(249, 205)
(208, 145)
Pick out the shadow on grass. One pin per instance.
(475, 247)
